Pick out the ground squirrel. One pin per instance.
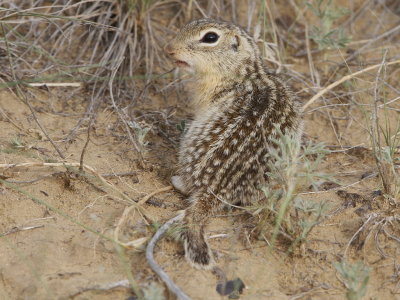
(238, 107)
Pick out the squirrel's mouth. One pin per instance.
(182, 64)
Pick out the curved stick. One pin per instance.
(343, 79)
(156, 268)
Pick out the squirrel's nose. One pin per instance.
(169, 50)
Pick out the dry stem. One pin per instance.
(147, 197)
(343, 79)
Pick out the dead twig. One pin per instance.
(370, 218)
(55, 84)
(104, 287)
(34, 180)
(119, 174)
(86, 144)
(147, 197)
(343, 79)
(127, 128)
(138, 243)
(18, 229)
(141, 241)
(374, 40)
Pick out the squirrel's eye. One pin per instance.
(210, 37)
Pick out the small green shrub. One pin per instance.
(325, 35)
(355, 277)
(291, 167)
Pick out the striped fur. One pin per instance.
(223, 155)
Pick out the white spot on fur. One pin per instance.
(217, 130)
(249, 87)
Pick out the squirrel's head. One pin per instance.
(211, 47)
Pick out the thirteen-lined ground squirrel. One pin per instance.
(238, 105)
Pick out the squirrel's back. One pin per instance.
(239, 109)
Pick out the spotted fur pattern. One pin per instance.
(223, 155)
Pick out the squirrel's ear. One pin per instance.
(235, 43)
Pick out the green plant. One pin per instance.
(17, 143)
(355, 277)
(153, 292)
(291, 166)
(324, 34)
(140, 133)
(19, 147)
(309, 215)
